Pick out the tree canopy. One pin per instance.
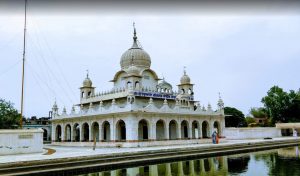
(9, 116)
(282, 106)
(234, 117)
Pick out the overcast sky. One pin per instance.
(240, 55)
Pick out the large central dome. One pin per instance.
(135, 56)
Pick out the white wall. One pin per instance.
(251, 133)
(21, 141)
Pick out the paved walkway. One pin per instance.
(67, 152)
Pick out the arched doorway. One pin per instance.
(184, 130)
(58, 133)
(68, 133)
(143, 132)
(85, 132)
(95, 131)
(195, 130)
(217, 127)
(76, 132)
(173, 130)
(205, 129)
(45, 135)
(160, 130)
(105, 131)
(120, 130)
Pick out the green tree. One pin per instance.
(9, 116)
(282, 106)
(234, 118)
(250, 120)
(258, 112)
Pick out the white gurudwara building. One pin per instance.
(140, 110)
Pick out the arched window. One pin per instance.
(143, 130)
(160, 130)
(137, 85)
(89, 94)
(106, 131)
(82, 94)
(121, 130)
(182, 91)
(173, 130)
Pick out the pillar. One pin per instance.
(133, 171)
(167, 131)
(90, 132)
(152, 127)
(179, 132)
(72, 132)
(63, 137)
(200, 130)
(153, 170)
(190, 130)
(168, 169)
(53, 132)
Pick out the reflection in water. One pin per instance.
(284, 161)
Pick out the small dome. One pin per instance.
(165, 84)
(135, 56)
(87, 82)
(133, 70)
(185, 79)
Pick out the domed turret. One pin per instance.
(87, 90)
(185, 79)
(87, 82)
(135, 55)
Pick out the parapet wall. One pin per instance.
(21, 141)
(252, 133)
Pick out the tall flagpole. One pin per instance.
(23, 66)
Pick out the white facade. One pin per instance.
(21, 141)
(139, 108)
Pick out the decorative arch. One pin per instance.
(195, 129)
(184, 129)
(205, 129)
(95, 131)
(117, 75)
(67, 136)
(76, 132)
(173, 126)
(121, 130)
(85, 132)
(58, 133)
(143, 130)
(106, 131)
(152, 72)
(160, 129)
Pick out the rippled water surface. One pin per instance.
(284, 161)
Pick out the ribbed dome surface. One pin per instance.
(87, 82)
(185, 79)
(137, 57)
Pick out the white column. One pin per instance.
(53, 132)
(72, 132)
(63, 133)
(167, 131)
(90, 132)
(179, 134)
(152, 127)
(153, 170)
(131, 128)
(190, 130)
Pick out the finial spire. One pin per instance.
(134, 32)
(87, 73)
(184, 70)
(134, 45)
